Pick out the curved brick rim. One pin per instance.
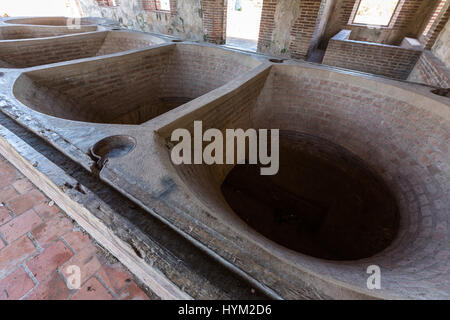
(47, 21)
(19, 32)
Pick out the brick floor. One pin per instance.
(41, 250)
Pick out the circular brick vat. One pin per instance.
(112, 147)
(324, 201)
(395, 138)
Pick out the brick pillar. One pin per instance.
(267, 24)
(304, 27)
(215, 20)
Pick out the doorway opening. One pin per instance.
(243, 21)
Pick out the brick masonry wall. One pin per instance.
(440, 48)
(430, 39)
(390, 61)
(23, 54)
(406, 143)
(47, 21)
(155, 5)
(430, 70)
(108, 3)
(403, 139)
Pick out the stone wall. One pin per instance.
(185, 20)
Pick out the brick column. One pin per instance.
(215, 20)
(303, 29)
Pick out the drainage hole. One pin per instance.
(444, 92)
(112, 147)
(276, 60)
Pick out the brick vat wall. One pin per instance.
(391, 61)
(155, 5)
(431, 71)
(132, 88)
(42, 241)
(303, 29)
(26, 32)
(401, 134)
(24, 54)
